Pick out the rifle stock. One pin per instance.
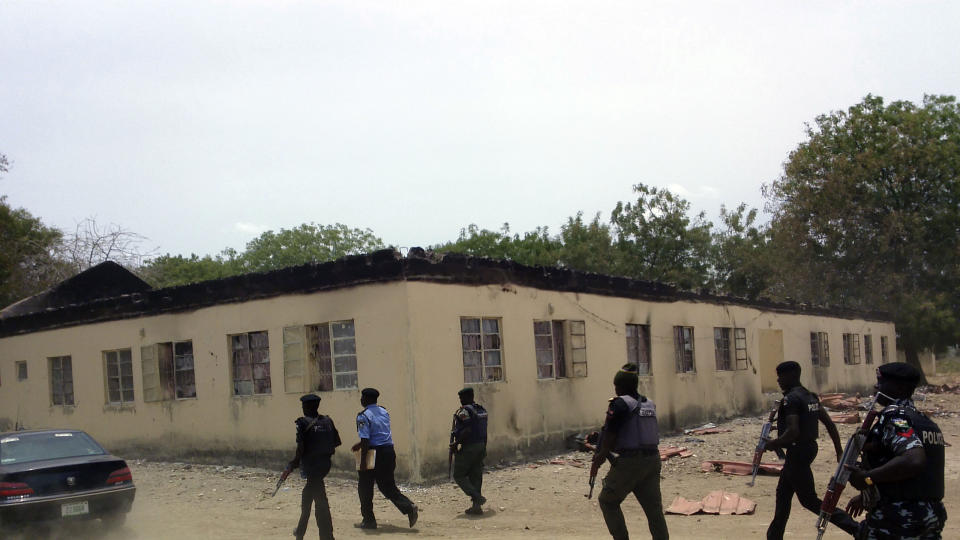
(838, 481)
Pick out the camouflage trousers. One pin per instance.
(908, 520)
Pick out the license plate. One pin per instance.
(75, 509)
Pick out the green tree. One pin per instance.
(867, 214)
(741, 255)
(536, 247)
(306, 243)
(657, 240)
(588, 246)
(171, 270)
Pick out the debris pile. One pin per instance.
(716, 502)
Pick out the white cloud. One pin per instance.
(249, 228)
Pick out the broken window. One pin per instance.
(883, 350)
(22, 370)
(868, 348)
(638, 347)
(729, 358)
(819, 349)
(119, 371)
(482, 353)
(721, 347)
(250, 355)
(683, 348)
(168, 371)
(61, 380)
(851, 349)
(320, 357)
(552, 340)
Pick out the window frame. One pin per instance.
(307, 349)
(122, 389)
(884, 350)
(247, 337)
(60, 360)
(484, 350)
(21, 373)
(163, 382)
(851, 349)
(641, 335)
(868, 348)
(684, 339)
(820, 349)
(722, 350)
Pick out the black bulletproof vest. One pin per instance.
(478, 423)
(806, 405)
(928, 485)
(319, 442)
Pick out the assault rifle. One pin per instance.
(762, 443)
(839, 479)
(453, 446)
(283, 476)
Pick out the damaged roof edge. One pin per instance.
(381, 267)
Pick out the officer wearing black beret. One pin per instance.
(903, 463)
(797, 431)
(317, 439)
(468, 441)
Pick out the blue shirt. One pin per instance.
(374, 424)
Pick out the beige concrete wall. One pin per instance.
(216, 422)
(409, 346)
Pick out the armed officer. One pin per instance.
(317, 439)
(469, 443)
(903, 459)
(797, 433)
(629, 439)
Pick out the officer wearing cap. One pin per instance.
(373, 427)
(317, 439)
(629, 439)
(903, 459)
(797, 431)
(469, 443)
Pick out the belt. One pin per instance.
(639, 452)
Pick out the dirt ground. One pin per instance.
(542, 499)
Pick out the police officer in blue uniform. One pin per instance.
(797, 431)
(373, 427)
(903, 459)
(629, 439)
(317, 439)
(470, 446)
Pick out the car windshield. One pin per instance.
(24, 447)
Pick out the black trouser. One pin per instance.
(315, 493)
(797, 477)
(382, 474)
(468, 469)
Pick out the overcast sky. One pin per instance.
(201, 124)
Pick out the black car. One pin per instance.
(61, 475)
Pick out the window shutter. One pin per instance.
(294, 375)
(151, 373)
(578, 348)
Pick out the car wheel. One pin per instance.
(114, 521)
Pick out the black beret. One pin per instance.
(467, 391)
(370, 393)
(900, 371)
(787, 367)
(308, 398)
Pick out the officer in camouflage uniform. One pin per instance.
(903, 459)
(629, 439)
(317, 439)
(470, 445)
(797, 429)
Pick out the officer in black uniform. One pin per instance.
(629, 439)
(470, 446)
(797, 433)
(903, 458)
(317, 439)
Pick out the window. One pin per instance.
(638, 347)
(683, 348)
(729, 358)
(22, 371)
(868, 348)
(883, 350)
(740, 347)
(819, 349)
(851, 349)
(552, 340)
(168, 371)
(251, 363)
(482, 354)
(721, 347)
(320, 357)
(119, 371)
(61, 380)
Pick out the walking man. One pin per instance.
(373, 427)
(797, 432)
(629, 439)
(317, 439)
(903, 459)
(469, 444)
